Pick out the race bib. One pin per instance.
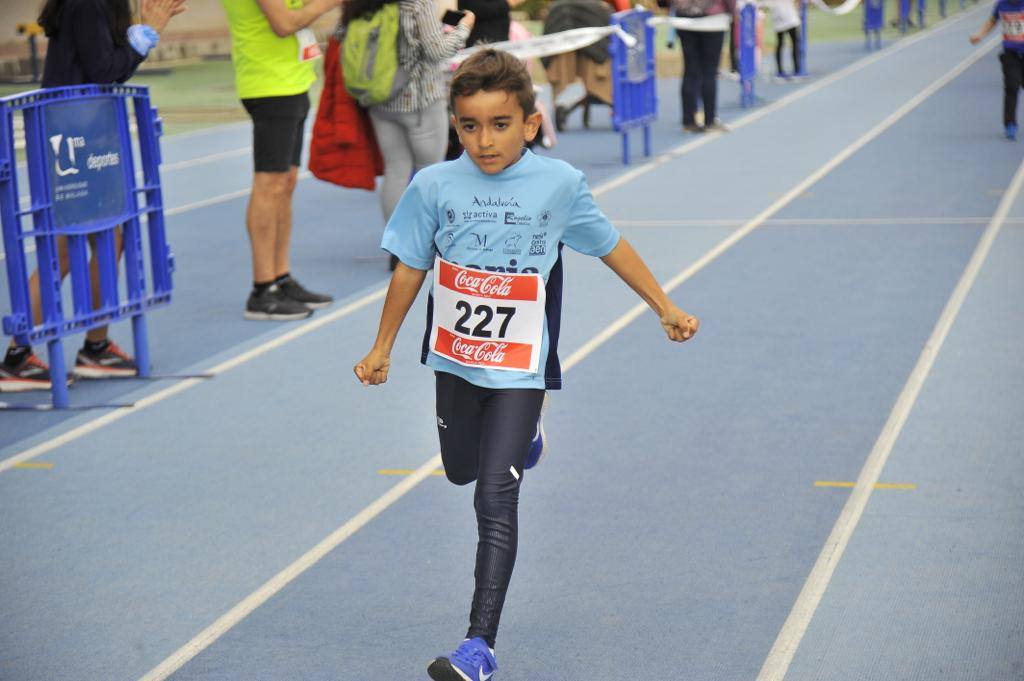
(1013, 27)
(309, 48)
(491, 320)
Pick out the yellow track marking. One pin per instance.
(880, 485)
(26, 464)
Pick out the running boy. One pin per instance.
(1011, 14)
(492, 224)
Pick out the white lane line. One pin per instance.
(240, 611)
(605, 187)
(202, 160)
(781, 655)
(819, 222)
(805, 91)
(675, 152)
(221, 368)
(788, 197)
(30, 246)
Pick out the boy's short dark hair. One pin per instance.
(493, 70)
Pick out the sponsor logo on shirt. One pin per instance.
(512, 267)
(450, 214)
(513, 244)
(539, 244)
(512, 218)
(479, 216)
(478, 242)
(495, 202)
(544, 218)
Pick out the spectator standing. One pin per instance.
(786, 21)
(90, 41)
(412, 126)
(273, 51)
(702, 52)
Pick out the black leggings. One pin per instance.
(1013, 80)
(485, 435)
(702, 51)
(794, 39)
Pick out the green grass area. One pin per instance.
(189, 96)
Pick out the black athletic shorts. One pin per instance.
(277, 124)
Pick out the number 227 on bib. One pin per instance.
(490, 320)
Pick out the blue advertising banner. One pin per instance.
(748, 53)
(873, 15)
(84, 159)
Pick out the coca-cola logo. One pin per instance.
(490, 285)
(482, 353)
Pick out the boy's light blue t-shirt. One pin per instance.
(514, 221)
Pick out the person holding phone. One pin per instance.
(411, 126)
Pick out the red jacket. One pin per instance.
(343, 149)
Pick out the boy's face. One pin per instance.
(493, 128)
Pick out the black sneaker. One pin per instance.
(109, 362)
(295, 291)
(31, 374)
(275, 305)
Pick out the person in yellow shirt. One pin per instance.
(273, 51)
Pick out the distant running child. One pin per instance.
(492, 225)
(1011, 14)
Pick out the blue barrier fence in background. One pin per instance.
(748, 52)
(83, 192)
(634, 86)
(874, 21)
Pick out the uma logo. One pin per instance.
(72, 144)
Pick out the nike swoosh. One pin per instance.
(484, 677)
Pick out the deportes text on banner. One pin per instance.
(490, 320)
(548, 45)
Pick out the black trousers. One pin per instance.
(1013, 80)
(702, 51)
(485, 435)
(794, 40)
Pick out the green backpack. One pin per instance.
(369, 56)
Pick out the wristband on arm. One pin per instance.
(142, 38)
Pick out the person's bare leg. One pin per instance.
(35, 292)
(100, 333)
(269, 193)
(283, 236)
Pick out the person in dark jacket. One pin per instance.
(492, 20)
(90, 41)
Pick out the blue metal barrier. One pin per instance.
(904, 20)
(634, 88)
(804, 33)
(874, 21)
(82, 189)
(748, 52)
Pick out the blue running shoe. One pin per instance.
(1011, 131)
(471, 661)
(538, 446)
